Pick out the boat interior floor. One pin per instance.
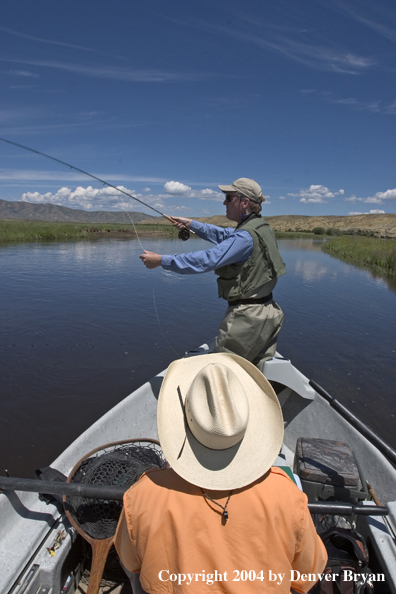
(107, 589)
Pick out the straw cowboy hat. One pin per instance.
(219, 421)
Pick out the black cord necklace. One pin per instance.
(224, 515)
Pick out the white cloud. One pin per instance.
(24, 35)
(313, 54)
(181, 209)
(208, 195)
(24, 74)
(359, 61)
(388, 195)
(282, 197)
(371, 212)
(107, 198)
(391, 108)
(116, 73)
(373, 200)
(174, 187)
(316, 194)
(85, 198)
(178, 189)
(376, 106)
(378, 198)
(384, 30)
(146, 190)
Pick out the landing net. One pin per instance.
(120, 466)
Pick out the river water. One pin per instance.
(84, 323)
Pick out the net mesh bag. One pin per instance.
(120, 466)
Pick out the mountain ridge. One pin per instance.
(21, 210)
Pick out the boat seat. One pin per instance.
(328, 470)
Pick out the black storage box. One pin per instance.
(328, 470)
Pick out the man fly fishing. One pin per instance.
(248, 264)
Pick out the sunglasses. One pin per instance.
(230, 197)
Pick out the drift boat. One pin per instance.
(40, 551)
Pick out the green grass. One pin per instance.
(294, 235)
(366, 251)
(45, 231)
(27, 231)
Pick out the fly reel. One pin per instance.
(184, 234)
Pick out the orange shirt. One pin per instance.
(176, 539)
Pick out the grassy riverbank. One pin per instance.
(365, 251)
(11, 230)
(294, 235)
(45, 231)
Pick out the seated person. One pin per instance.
(221, 509)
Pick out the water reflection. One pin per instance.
(340, 330)
(301, 244)
(310, 270)
(85, 323)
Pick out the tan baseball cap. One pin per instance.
(247, 187)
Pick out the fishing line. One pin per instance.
(162, 330)
(184, 233)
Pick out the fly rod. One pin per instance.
(184, 233)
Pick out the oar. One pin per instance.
(116, 493)
(373, 494)
(346, 509)
(377, 502)
(61, 488)
(365, 430)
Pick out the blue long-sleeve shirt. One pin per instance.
(231, 246)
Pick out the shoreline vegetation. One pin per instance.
(28, 231)
(377, 254)
(362, 250)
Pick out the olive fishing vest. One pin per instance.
(265, 264)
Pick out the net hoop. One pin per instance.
(76, 467)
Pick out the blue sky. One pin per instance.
(169, 99)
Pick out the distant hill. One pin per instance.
(52, 212)
(382, 225)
